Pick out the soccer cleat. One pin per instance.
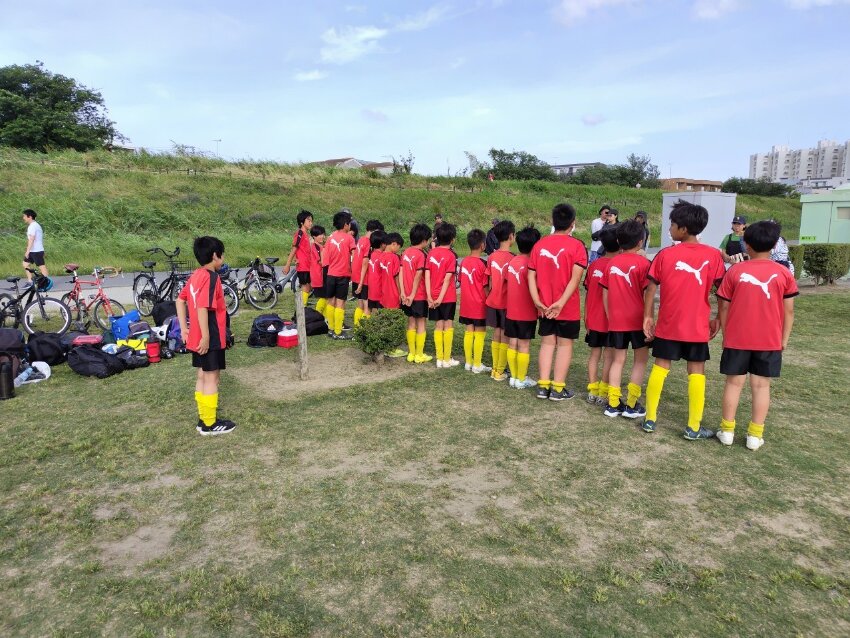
(221, 426)
(423, 358)
(562, 395)
(699, 435)
(542, 393)
(602, 401)
(648, 426)
(481, 368)
(344, 336)
(467, 366)
(637, 412)
(512, 382)
(411, 358)
(525, 384)
(451, 363)
(614, 411)
(591, 398)
(726, 438)
(397, 354)
(754, 442)
(499, 377)
(439, 363)
(200, 425)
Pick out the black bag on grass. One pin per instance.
(132, 359)
(47, 347)
(12, 348)
(314, 322)
(162, 311)
(91, 361)
(264, 331)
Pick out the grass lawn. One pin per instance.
(407, 501)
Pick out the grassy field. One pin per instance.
(407, 501)
(106, 209)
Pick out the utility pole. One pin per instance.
(217, 142)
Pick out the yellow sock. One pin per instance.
(511, 357)
(448, 342)
(304, 297)
(614, 395)
(494, 353)
(339, 315)
(208, 405)
(329, 316)
(653, 391)
(479, 338)
(696, 400)
(593, 389)
(523, 359)
(727, 426)
(634, 395)
(438, 344)
(358, 315)
(544, 383)
(411, 343)
(320, 305)
(198, 396)
(503, 357)
(468, 343)
(420, 343)
(558, 387)
(756, 430)
(603, 390)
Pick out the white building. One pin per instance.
(829, 160)
(572, 169)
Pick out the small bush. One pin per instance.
(826, 262)
(796, 255)
(381, 333)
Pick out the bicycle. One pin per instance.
(96, 305)
(259, 285)
(229, 278)
(38, 313)
(147, 291)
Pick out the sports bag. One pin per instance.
(121, 325)
(265, 271)
(12, 341)
(139, 330)
(87, 340)
(162, 311)
(264, 331)
(91, 361)
(314, 322)
(47, 347)
(131, 358)
(13, 360)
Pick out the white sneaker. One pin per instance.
(511, 382)
(451, 363)
(481, 368)
(467, 366)
(726, 438)
(526, 383)
(754, 443)
(439, 363)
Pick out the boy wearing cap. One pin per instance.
(732, 247)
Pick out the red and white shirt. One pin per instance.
(339, 247)
(520, 305)
(473, 279)
(686, 273)
(203, 290)
(316, 275)
(756, 291)
(625, 278)
(594, 312)
(389, 266)
(412, 262)
(496, 265)
(553, 259)
(442, 261)
(303, 256)
(361, 252)
(373, 275)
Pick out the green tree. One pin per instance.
(516, 165)
(762, 186)
(638, 169)
(40, 110)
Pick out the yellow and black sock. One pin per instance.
(653, 391)
(411, 343)
(511, 357)
(614, 396)
(727, 426)
(468, 346)
(756, 430)
(523, 359)
(448, 342)
(420, 343)
(634, 395)
(438, 344)
(696, 400)
(478, 348)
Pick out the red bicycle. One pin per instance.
(96, 305)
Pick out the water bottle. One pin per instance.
(7, 388)
(23, 376)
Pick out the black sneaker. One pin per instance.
(614, 411)
(200, 425)
(221, 426)
(563, 395)
(542, 393)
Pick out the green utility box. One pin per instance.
(826, 217)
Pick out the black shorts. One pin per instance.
(303, 277)
(354, 285)
(675, 350)
(596, 339)
(496, 318)
(475, 323)
(443, 312)
(210, 362)
(762, 363)
(35, 258)
(319, 291)
(364, 293)
(621, 340)
(418, 309)
(374, 305)
(561, 328)
(520, 329)
(337, 287)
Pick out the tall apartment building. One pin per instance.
(826, 161)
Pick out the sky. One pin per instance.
(698, 85)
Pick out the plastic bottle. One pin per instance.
(23, 376)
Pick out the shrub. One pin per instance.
(826, 262)
(381, 333)
(796, 255)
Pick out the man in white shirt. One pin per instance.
(34, 253)
(595, 226)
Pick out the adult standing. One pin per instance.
(780, 254)
(491, 242)
(438, 221)
(732, 247)
(641, 217)
(595, 226)
(34, 253)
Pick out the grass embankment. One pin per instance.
(102, 208)
(433, 503)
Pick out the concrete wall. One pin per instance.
(721, 210)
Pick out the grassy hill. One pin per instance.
(104, 208)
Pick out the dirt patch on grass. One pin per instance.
(795, 525)
(337, 462)
(147, 543)
(160, 481)
(328, 371)
(107, 512)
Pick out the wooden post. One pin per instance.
(302, 336)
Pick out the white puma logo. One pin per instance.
(554, 258)
(748, 278)
(383, 267)
(336, 243)
(515, 273)
(438, 264)
(372, 264)
(468, 273)
(194, 294)
(408, 259)
(497, 267)
(696, 272)
(624, 275)
(597, 273)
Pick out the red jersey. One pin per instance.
(203, 290)
(373, 275)
(389, 267)
(553, 259)
(412, 262)
(756, 291)
(361, 251)
(303, 257)
(339, 247)
(473, 278)
(625, 278)
(496, 265)
(520, 305)
(686, 273)
(441, 262)
(594, 312)
(316, 275)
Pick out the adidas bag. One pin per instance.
(91, 361)
(264, 331)
(121, 325)
(47, 347)
(162, 311)
(314, 322)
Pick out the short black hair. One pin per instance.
(355, 229)
(205, 247)
(446, 234)
(563, 216)
(630, 234)
(603, 207)
(614, 212)
(317, 230)
(762, 236)
(29, 212)
(526, 238)
(504, 229)
(302, 217)
(475, 238)
(419, 233)
(341, 219)
(394, 238)
(372, 225)
(377, 239)
(438, 215)
(641, 213)
(608, 237)
(692, 217)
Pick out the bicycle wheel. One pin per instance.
(231, 299)
(177, 286)
(7, 311)
(74, 306)
(46, 314)
(145, 294)
(104, 309)
(261, 295)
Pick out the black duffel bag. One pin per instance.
(48, 347)
(314, 322)
(132, 359)
(264, 331)
(162, 311)
(91, 361)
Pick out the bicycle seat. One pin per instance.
(148, 264)
(272, 260)
(13, 280)
(69, 268)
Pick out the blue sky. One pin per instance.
(696, 84)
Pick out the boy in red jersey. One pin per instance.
(497, 298)
(623, 285)
(201, 302)
(442, 296)
(389, 269)
(302, 252)
(317, 280)
(414, 299)
(473, 297)
(371, 279)
(555, 268)
(358, 270)
(756, 313)
(339, 247)
(521, 313)
(596, 321)
(686, 272)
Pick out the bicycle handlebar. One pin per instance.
(157, 249)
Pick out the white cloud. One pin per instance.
(713, 9)
(350, 43)
(571, 11)
(374, 115)
(808, 4)
(592, 120)
(422, 21)
(310, 76)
